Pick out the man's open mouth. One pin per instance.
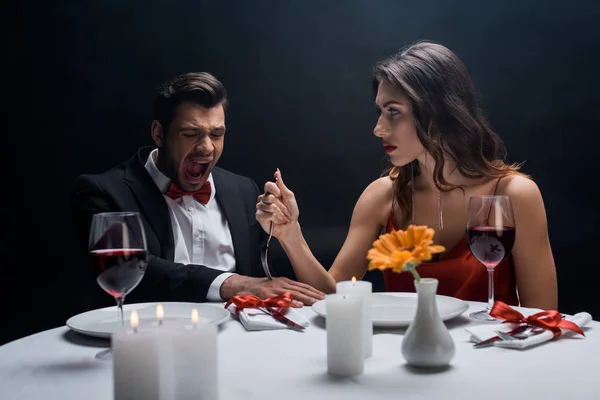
(197, 170)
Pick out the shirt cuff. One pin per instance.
(214, 291)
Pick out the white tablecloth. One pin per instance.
(285, 364)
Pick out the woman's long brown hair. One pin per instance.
(447, 117)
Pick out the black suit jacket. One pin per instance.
(129, 187)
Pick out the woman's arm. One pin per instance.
(370, 214)
(532, 255)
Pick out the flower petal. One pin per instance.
(403, 248)
(437, 248)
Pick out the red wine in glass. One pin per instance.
(491, 244)
(118, 256)
(118, 270)
(491, 237)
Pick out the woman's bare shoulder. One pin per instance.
(379, 191)
(518, 185)
(522, 190)
(376, 200)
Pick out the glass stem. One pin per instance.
(120, 301)
(490, 303)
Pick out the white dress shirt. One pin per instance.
(200, 232)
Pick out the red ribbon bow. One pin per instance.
(202, 195)
(551, 320)
(284, 300)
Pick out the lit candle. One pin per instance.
(364, 289)
(136, 366)
(193, 356)
(170, 362)
(195, 317)
(160, 313)
(134, 320)
(345, 352)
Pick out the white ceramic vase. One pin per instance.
(427, 342)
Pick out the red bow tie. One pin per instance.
(202, 195)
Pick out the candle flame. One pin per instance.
(353, 279)
(160, 312)
(195, 316)
(134, 320)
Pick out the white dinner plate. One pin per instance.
(398, 309)
(103, 322)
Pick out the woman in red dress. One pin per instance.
(442, 152)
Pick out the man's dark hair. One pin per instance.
(195, 87)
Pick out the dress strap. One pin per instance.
(487, 220)
(496, 188)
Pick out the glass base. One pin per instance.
(105, 355)
(483, 315)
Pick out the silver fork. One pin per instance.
(264, 252)
(530, 331)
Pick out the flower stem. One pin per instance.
(412, 267)
(415, 274)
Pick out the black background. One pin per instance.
(83, 75)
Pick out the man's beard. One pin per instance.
(166, 165)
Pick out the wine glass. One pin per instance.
(491, 236)
(118, 256)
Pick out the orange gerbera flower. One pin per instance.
(403, 250)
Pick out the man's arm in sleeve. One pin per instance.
(164, 280)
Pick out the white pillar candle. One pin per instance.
(345, 353)
(365, 289)
(194, 361)
(166, 362)
(136, 366)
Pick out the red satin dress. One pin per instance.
(459, 274)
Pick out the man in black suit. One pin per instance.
(203, 239)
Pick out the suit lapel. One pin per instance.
(232, 206)
(151, 201)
